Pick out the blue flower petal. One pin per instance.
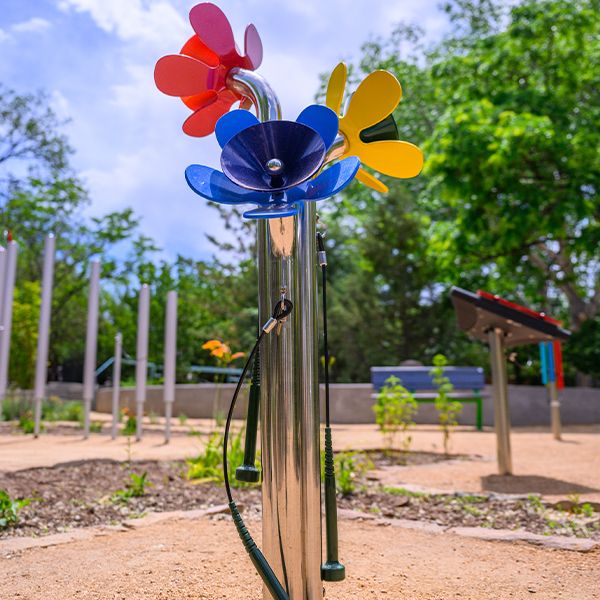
(213, 185)
(231, 123)
(323, 120)
(331, 180)
(272, 211)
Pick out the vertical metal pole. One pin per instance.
(91, 343)
(3, 254)
(554, 410)
(290, 443)
(7, 309)
(41, 365)
(141, 359)
(170, 358)
(116, 394)
(500, 391)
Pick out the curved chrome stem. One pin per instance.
(258, 90)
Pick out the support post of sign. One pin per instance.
(141, 359)
(289, 403)
(554, 410)
(500, 391)
(116, 394)
(170, 358)
(41, 364)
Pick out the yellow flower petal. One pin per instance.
(335, 88)
(375, 98)
(370, 181)
(394, 158)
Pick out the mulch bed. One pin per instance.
(82, 494)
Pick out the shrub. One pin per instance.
(394, 412)
(448, 409)
(9, 509)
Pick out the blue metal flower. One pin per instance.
(271, 164)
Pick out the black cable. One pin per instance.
(332, 569)
(230, 413)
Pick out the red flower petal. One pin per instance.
(253, 48)
(203, 121)
(212, 27)
(195, 48)
(199, 101)
(178, 75)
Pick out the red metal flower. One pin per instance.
(198, 75)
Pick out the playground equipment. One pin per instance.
(116, 394)
(553, 379)
(141, 367)
(503, 324)
(282, 168)
(170, 358)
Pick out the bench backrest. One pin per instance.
(419, 378)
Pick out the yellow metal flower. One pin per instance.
(374, 101)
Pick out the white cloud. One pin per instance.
(4, 36)
(132, 20)
(33, 25)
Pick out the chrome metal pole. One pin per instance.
(141, 358)
(41, 364)
(500, 391)
(7, 311)
(91, 343)
(290, 445)
(116, 391)
(170, 360)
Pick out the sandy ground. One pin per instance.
(555, 469)
(204, 560)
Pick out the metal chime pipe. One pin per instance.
(116, 393)
(170, 360)
(41, 365)
(91, 343)
(141, 358)
(7, 309)
(291, 488)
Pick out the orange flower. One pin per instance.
(211, 344)
(238, 355)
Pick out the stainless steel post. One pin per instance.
(41, 364)
(554, 410)
(7, 309)
(500, 391)
(91, 343)
(141, 358)
(170, 360)
(291, 498)
(116, 394)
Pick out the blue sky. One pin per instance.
(96, 58)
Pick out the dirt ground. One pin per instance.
(204, 560)
(554, 469)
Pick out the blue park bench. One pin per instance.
(468, 384)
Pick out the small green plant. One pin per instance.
(130, 425)
(400, 491)
(9, 509)
(135, 488)
(182, 419)
(96, 426)
(394, 412)
(26, 423)
(535, 502)
(153, 418)
(219, 417)
(350, 467)
(448, 409)
(208, 465)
